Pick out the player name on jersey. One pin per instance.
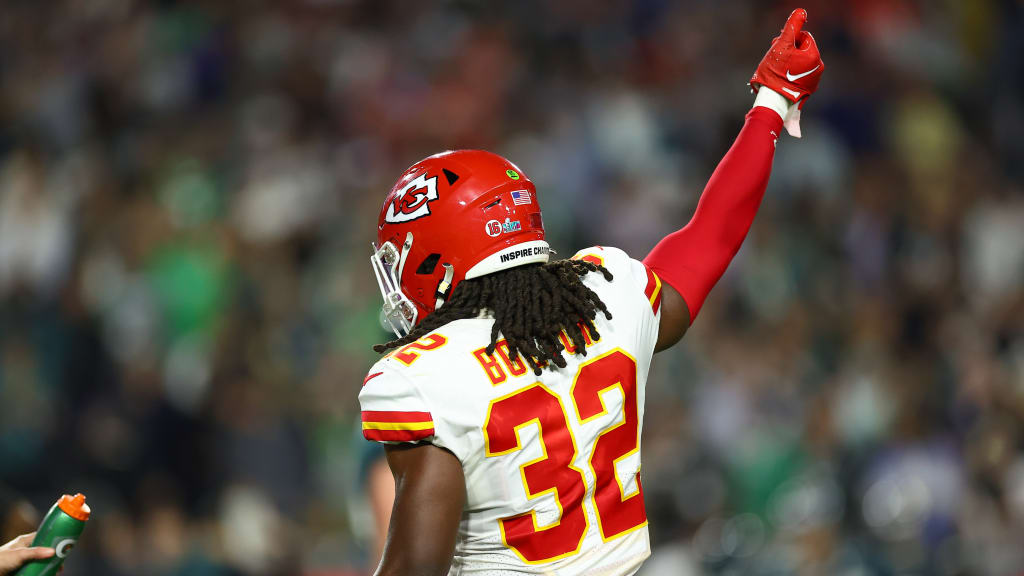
(500, 365)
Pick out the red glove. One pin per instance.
(792, 67)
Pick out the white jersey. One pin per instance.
(551, 462)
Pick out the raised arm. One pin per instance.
(691, 260)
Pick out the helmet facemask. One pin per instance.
(398, 313)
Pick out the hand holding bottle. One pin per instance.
(19, 552)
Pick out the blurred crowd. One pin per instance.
(188, 190)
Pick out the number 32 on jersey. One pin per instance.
(553, 473)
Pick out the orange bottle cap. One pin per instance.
(74, 506)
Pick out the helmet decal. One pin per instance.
(450, 176)
(413, 201)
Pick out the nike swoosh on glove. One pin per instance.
(792, 66)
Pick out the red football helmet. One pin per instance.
(451, 216)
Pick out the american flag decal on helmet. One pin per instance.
(521, 197)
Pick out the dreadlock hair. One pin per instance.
(531, 306)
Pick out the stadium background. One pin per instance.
(188, 191)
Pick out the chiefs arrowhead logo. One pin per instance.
(413, 200)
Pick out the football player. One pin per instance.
(512, 401)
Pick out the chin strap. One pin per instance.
(444, 287)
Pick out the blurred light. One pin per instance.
(743, 535)
(250, 529)
(187, 374)
(897, 506)
(740, 536)
(863, 409)
(1013, 485)
(809, 501)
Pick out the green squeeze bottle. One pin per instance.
(59, 530)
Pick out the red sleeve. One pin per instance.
(692, 259)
